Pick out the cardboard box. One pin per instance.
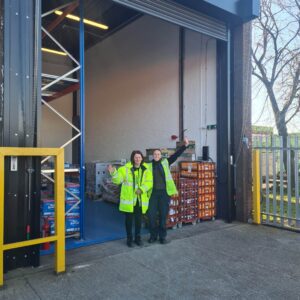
(191, 149)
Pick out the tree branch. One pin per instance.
(293, 91)
(294, 114)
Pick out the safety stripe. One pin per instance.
(144, 187)
(114, 176)
(129, 202)
(126, 183)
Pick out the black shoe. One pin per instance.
(138, 242)
(129, 243)
(152, 240)
(164, 241)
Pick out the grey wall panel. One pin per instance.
(21, 73)
(22, 88)
(180, 15)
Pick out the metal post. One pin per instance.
(281, 183)
(296, 157)
(256, 187)
(274, 153)
(82, 118)
(289, 177)
(60, 212)
(1, 217)
(181, 81)
(229, 130)
(267, 182)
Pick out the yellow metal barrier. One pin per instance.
(256, 187)
(59, 198)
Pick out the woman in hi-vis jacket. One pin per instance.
(163, 188)
(136, 181)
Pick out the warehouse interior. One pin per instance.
(134, 95)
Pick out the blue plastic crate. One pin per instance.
(73, 188)
(72, 224)
(47, 207)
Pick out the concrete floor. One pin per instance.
(210, 260)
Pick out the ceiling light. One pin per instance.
(54, 51)
(85, 21)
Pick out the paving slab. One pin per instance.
(210, 260)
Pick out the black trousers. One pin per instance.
(158, 203)
(137, 216)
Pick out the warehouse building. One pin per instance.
(136, 75)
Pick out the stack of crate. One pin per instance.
(206, 190)
(188, 200)
(204, 173)
(173, 215)
(98, 181)
(72, 207)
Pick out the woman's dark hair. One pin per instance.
(156, 150)
(133, 153)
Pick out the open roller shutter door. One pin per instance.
(180, 15)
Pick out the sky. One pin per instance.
(262, 113)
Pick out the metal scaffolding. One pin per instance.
(67, 85)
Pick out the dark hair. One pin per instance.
(156, 150)
(133, 153)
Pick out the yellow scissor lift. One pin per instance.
(59, 198)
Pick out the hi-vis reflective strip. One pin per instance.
(126, 183)
(168, 175)
(144, 187)
(129, 202)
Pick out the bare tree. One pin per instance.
(276, 58)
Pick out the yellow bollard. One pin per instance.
(60, 213)
(1, 217)
(256, 187)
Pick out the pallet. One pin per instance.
(172, 226)
(206, 219)
(192, 222)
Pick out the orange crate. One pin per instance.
(188, 184)
(206, 174)
(206, 197)
(206, 182)
(189, 166)
(206, 190)
(206, 166)
(206, 213)
(187, 174)
(206, 205)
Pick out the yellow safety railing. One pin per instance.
(256, 187)
(59, 197)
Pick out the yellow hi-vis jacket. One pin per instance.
(131, 180)
(170, 184)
